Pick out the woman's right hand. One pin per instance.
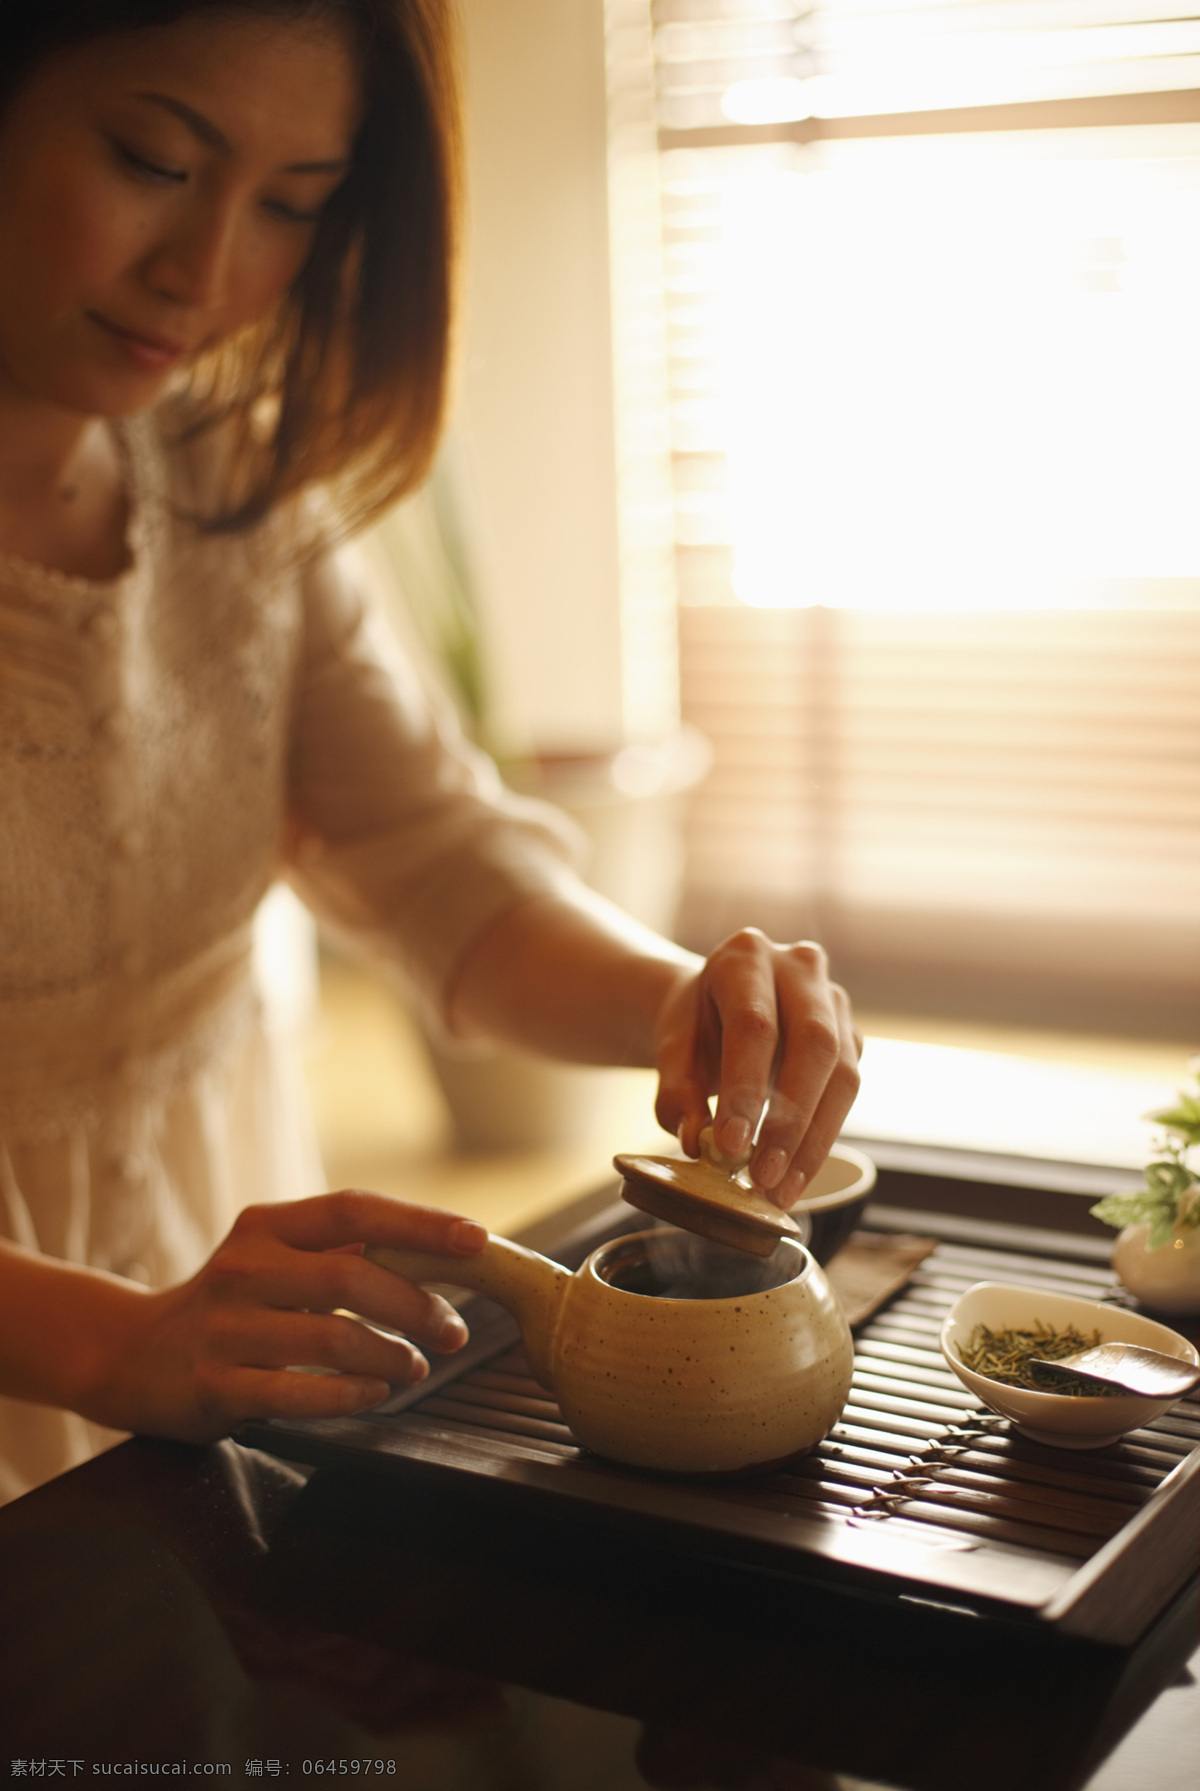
(193, 1362)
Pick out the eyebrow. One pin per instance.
(209, 134)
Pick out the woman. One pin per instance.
(227, 239)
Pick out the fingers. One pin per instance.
(276, 1294)
(817, 1083)
(744, 992)
(809, 1047)
(352, 1216)
(687, 1021)
(761, 1023)
(242, 1393)
(274, 1340)
(256, 1272)
(722, 1035)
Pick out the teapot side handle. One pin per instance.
(529, 1285)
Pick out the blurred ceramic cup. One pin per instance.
(834, 1200)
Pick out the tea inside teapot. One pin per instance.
(667, 1264)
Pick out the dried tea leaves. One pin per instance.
(1004, 1356)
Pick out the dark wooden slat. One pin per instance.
(1002, 1191)
(784, 1496)
(949, 1394)
(895, 1425)
(1048, 1505)
(989, 1256)
(467, 1414)
(846, 1432)
(901, 1332)
(953, 1262)
(919, 1302)
(841, 1473)
(879, 1459)
(1113, 1464)
(469, 1392)
(901, 1309)
(1119, 1459)
(948, 1280)
(900, 1405)
(511, 1362)
(474, 1433)
(522, 1385)
(876, 1349)
(975, 1523)
(1178, 1424)
(1013, 1467)
(901, 1314)
(912, 1373)
(1157, 1445)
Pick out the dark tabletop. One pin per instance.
(175, 1607)
(176, 1611)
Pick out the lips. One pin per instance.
(154, 354)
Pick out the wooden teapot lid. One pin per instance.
(711, 1196)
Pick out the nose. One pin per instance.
(192, 265)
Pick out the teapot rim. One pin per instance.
(591, 1268)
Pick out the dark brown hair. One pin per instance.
(344, 385)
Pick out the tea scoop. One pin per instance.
(1128, 1366)
(711, 1195)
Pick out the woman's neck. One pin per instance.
(63, 502)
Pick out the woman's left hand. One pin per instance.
(759, 1023)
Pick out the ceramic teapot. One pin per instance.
(668, 1351)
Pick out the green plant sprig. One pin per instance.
(1169, 1198)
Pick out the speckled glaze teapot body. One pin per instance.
(666, 1351)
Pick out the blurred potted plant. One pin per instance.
(1157, 1254)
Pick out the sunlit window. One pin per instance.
(930, 276)
(941, 372)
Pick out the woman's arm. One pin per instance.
(193, 1362)
(571, 976)
(404, 837)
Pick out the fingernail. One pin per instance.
(468, 1237)
(768, 1170)
(419, 1370)
(452, 1335)
(735, 1136)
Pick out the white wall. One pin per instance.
(535, 421)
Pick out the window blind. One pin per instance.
(931, 370)
(723, 62)
(990, 815)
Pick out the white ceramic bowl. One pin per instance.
(1060, 1419)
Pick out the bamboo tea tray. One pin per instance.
(918, 1492)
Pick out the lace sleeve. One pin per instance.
(403, 833)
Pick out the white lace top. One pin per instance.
(171, 742)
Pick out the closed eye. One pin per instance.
(290, 214)
(141, 165)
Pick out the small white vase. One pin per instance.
(1168, 1278)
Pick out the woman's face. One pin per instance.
(159, 192)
